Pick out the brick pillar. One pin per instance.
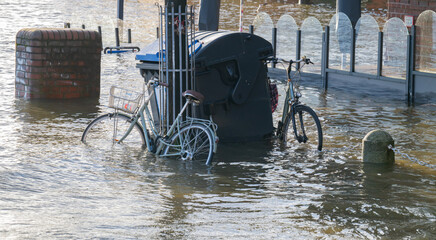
(57, 63)
(401, 8)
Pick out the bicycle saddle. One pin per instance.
(193, 95)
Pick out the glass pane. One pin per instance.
(395, 48)
(263, 26)
(426, 42)
(286, 37)
(311, 43)
(340, 42)
(367, 30)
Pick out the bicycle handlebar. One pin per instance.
(156, 81)
(290, 62)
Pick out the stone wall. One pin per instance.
(400, 8)
(57, 63)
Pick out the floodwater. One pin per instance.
(52, 186)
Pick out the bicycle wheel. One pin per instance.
(305, 128)
(107, 130)
(193, 142)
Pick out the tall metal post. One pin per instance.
(120, 18)
(298, 48)
(274, 43)
(380, 54)
(352, 8)
(325, 56)
(410, 67)
(241, 14)
(208, 19)
(120, 9)
(353, 51)
(117, 37)
(174, 52)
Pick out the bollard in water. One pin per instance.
(375, 148)
(117, 37)
(83, 26)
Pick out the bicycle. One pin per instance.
(306, 126)
(189, 139)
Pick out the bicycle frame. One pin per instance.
(291, 96)
(175, 127)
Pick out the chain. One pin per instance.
(413, 159)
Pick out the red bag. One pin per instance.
(274, 95)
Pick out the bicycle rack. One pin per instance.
(176, 66)
(120, 49)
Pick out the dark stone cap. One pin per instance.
(58, 34)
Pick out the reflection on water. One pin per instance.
(53, 186)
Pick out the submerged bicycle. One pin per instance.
(297, 118)
(189, 139)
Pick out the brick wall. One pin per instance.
(57, 63)
(400, 8)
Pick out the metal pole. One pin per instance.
(129, 35)
(298, 48)
(410, 67)
(353, 50)
(117, 37)
(325, 56)
(380, 54)
(412, 62)
(352, 8)
(180, 38)
(120, 9)
(209, 15)
(251, 29)
(173, 65)
(274, 43)
(99, 30)
(241, 14)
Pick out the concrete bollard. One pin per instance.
(375, 148)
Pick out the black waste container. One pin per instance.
(231, 73)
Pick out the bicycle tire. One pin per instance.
(192, 142)
(101, 132)
(307, 131)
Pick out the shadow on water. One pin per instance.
(38, 109)
(45, 120)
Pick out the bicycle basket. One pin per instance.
(124, 99)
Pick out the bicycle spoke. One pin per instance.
(196, 143)
(106, 131)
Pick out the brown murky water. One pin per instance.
(52, 186)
